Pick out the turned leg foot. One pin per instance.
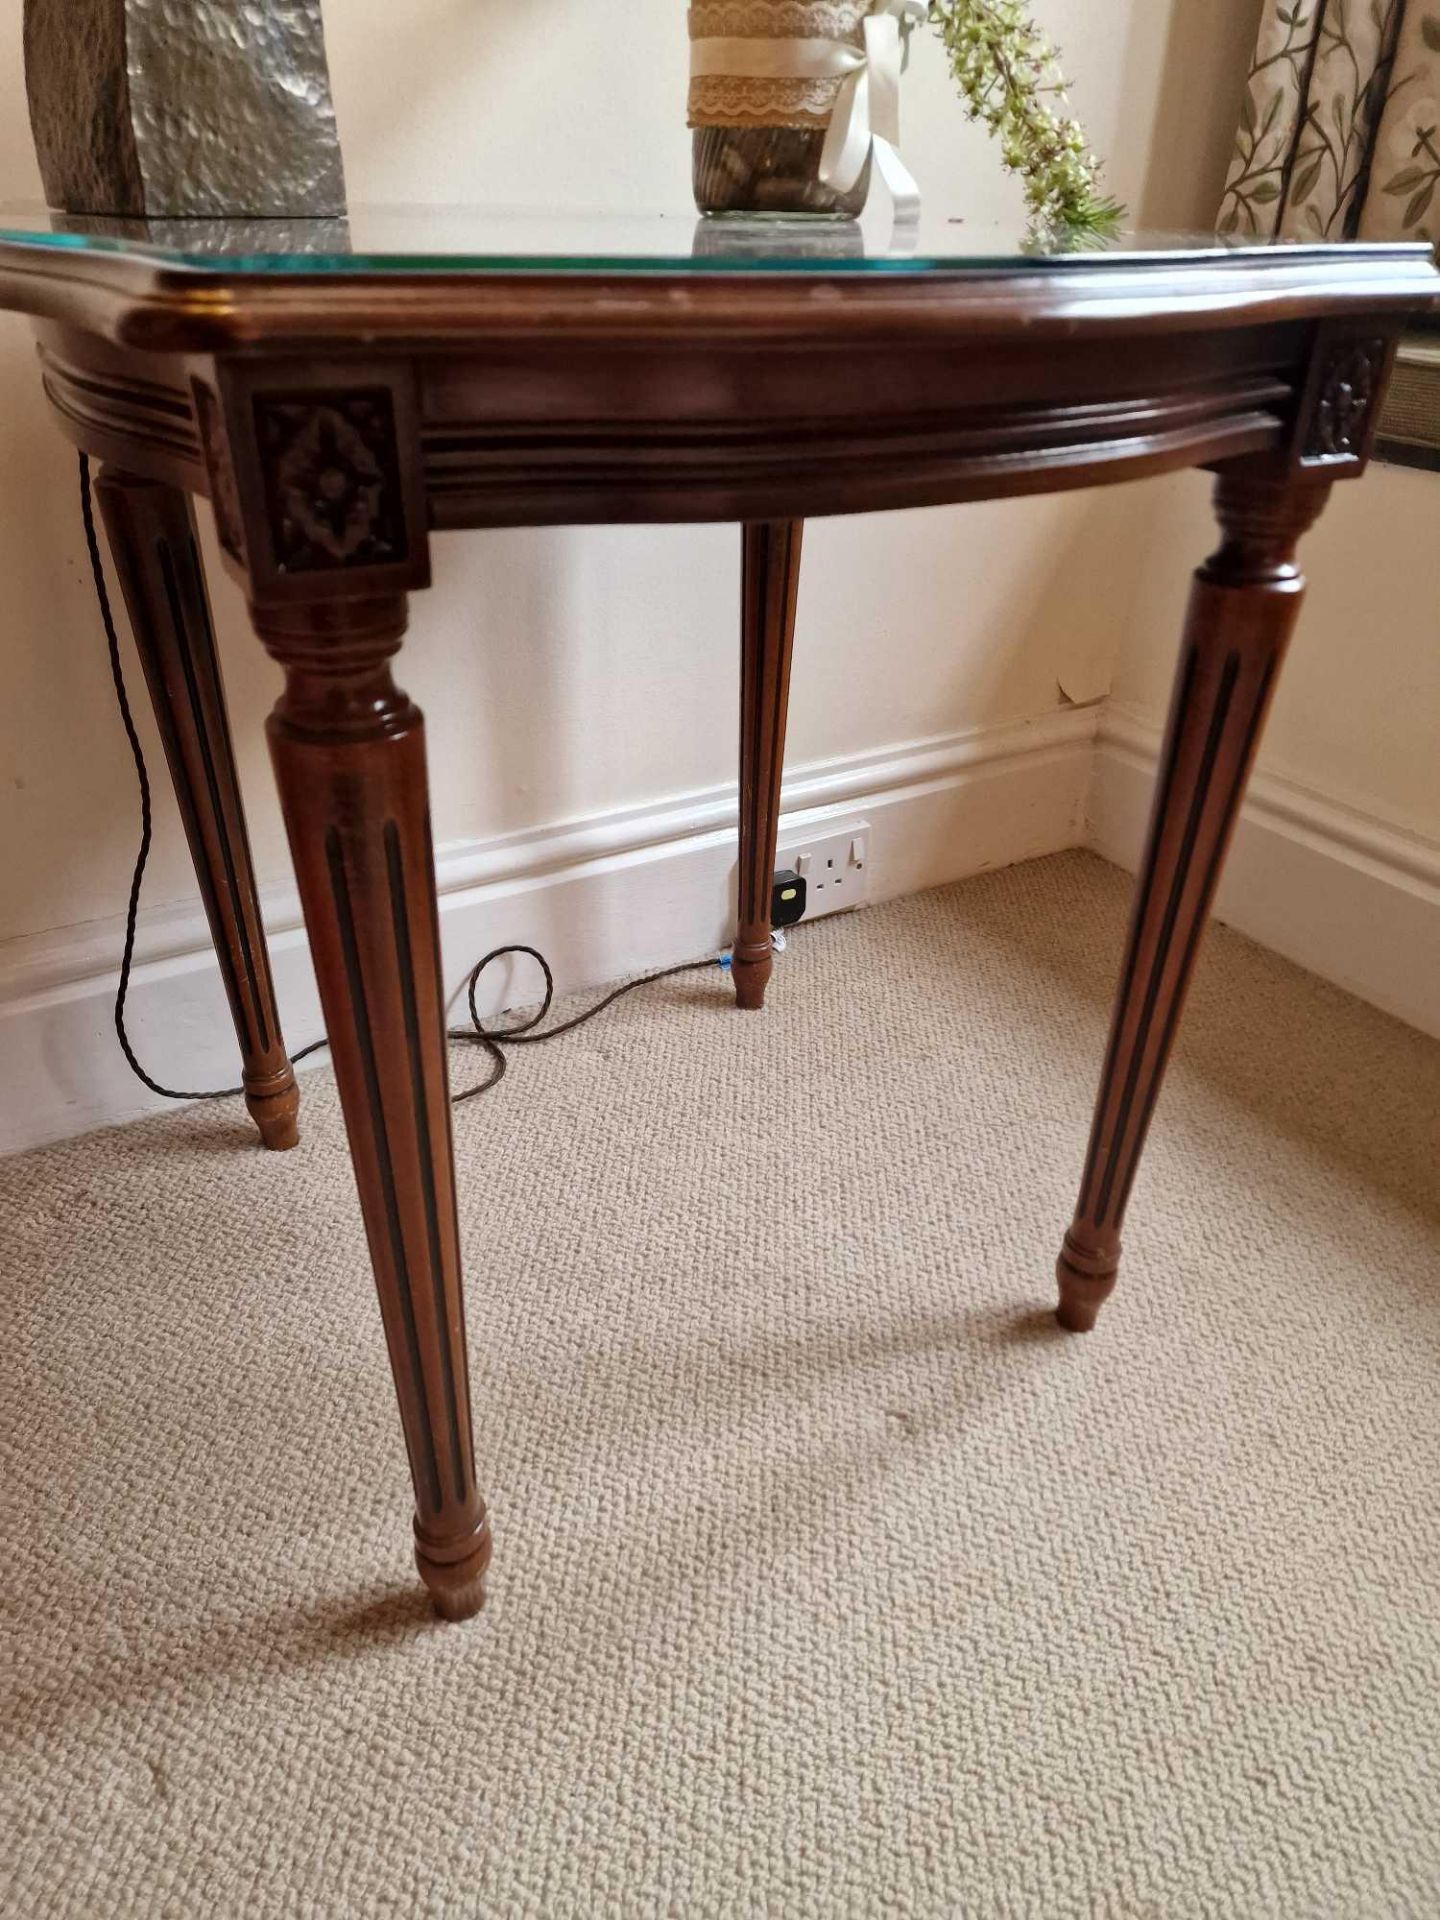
(151, 529)
(1243, 609)
(456, 1585)
(771, 587)
(274, 1106)
(751, 975)
(1087, 1280)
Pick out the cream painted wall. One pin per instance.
(566, 672)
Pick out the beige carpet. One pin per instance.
(829, 1577)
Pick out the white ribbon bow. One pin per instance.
(866, 118)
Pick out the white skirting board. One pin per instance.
(614, 894)
(1348, 897)
(618, 893)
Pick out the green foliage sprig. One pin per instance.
(1010, 80)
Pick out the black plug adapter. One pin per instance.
(788, 898)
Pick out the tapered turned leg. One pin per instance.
(1243, 609)
(771, 587)
(151, 530)
(349, 752)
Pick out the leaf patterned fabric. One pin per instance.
(1271, 118)
(1340, 128)
(1402, 203)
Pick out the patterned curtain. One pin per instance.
(1340, 131)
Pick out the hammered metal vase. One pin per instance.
(183, 109)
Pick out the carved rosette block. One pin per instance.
(332, 480)
(349, 753)
(770, 591)
(201, 109)
(1341, 409)
(1245, 602)
(312, 480)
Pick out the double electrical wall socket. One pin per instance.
(834, 864)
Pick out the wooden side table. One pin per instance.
(336, 408)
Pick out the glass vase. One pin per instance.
(768, 170)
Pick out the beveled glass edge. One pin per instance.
(758, 248)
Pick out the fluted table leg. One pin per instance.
(1244, 605)
(151, 530)
(349, 752)
(771, 587)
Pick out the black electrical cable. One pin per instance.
(137, 754)
(521, 1035)
(493, 1040)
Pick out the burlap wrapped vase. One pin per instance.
(759, 136)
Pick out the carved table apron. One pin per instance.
(334, 419)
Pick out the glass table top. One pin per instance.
(379, 240)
